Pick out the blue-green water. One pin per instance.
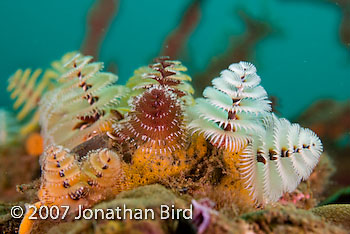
(300, 63)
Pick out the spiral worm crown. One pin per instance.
(81, 105)
(279, 158)
(156, 121)
(231, 110)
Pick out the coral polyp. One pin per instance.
(279, 158)
(232, 109)
(156, 121)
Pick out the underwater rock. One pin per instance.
(7, 223)
(341, 196)
(338, 214)
(144, 197)
(289, 220)
(16, 167)
(148, 197)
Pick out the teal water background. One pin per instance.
(300, 63)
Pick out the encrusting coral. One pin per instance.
(102, 138)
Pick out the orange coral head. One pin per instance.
(156, 119)
(34, 144)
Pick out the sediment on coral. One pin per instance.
(289, 220)
(17, 168)
(338, 214)
(139, 198)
